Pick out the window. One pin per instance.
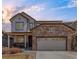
(19, 39)
(19, 25)
(31, 25)
(51, 29)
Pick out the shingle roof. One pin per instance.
(72, 24)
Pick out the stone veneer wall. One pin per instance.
(57, 30)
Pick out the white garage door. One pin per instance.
(55, 44)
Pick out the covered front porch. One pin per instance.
(20, 40)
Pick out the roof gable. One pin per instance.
(23, 14)
(55, 29)
(54, 24)
(72, 24)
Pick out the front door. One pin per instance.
(30, 42)
(11, 41)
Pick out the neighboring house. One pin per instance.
(4, 39)
(28, 33)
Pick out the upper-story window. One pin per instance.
(19, 25)
(31, 25)
(51, 29)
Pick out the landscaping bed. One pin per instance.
(7, 50)
(15, 56)
(16, 53)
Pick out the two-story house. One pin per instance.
(28, 33)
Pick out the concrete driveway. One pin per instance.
(55, 55)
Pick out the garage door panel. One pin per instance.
(51, 44)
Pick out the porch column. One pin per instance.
(25, 41)
(8, 41)
(15, 38)
(34, 44)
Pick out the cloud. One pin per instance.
(7, 12)
(71, 4)
(35, 8)
(10, 8)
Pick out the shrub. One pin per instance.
(5, 50)
(15, 50)
(11, 50)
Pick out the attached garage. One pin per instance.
(51, 44)
(52, 37)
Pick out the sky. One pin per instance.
(65, 10)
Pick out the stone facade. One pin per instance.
(58, 30)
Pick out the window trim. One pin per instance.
(50, 29)
(19, 22)
(18, 40)
(31, 25)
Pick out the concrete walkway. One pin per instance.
(55, 55)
